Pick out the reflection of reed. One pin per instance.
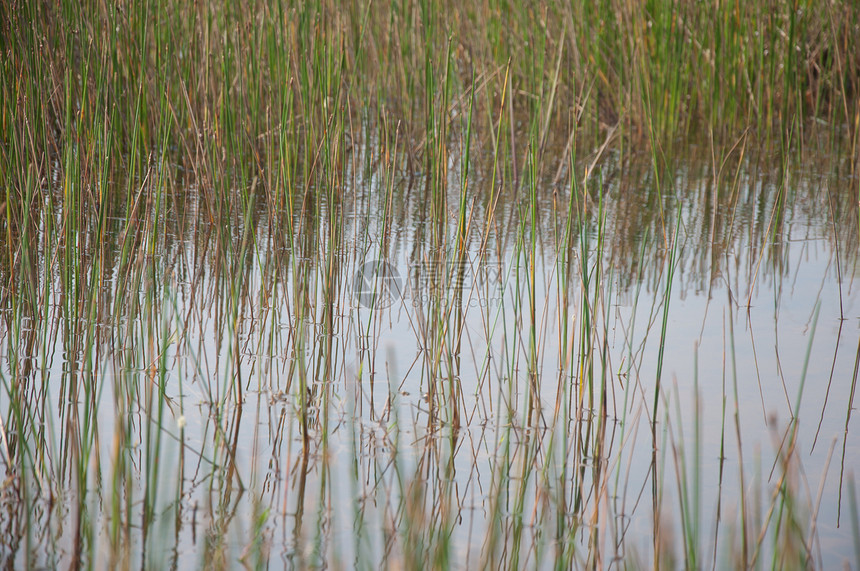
(186, 359)
(238, 313)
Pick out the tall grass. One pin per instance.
(190, 189)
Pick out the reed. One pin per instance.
(191, 194)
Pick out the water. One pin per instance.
(347, 382)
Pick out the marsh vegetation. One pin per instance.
(429, 284)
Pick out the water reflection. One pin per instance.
(658, 363)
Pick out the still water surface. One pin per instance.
(361, 382)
